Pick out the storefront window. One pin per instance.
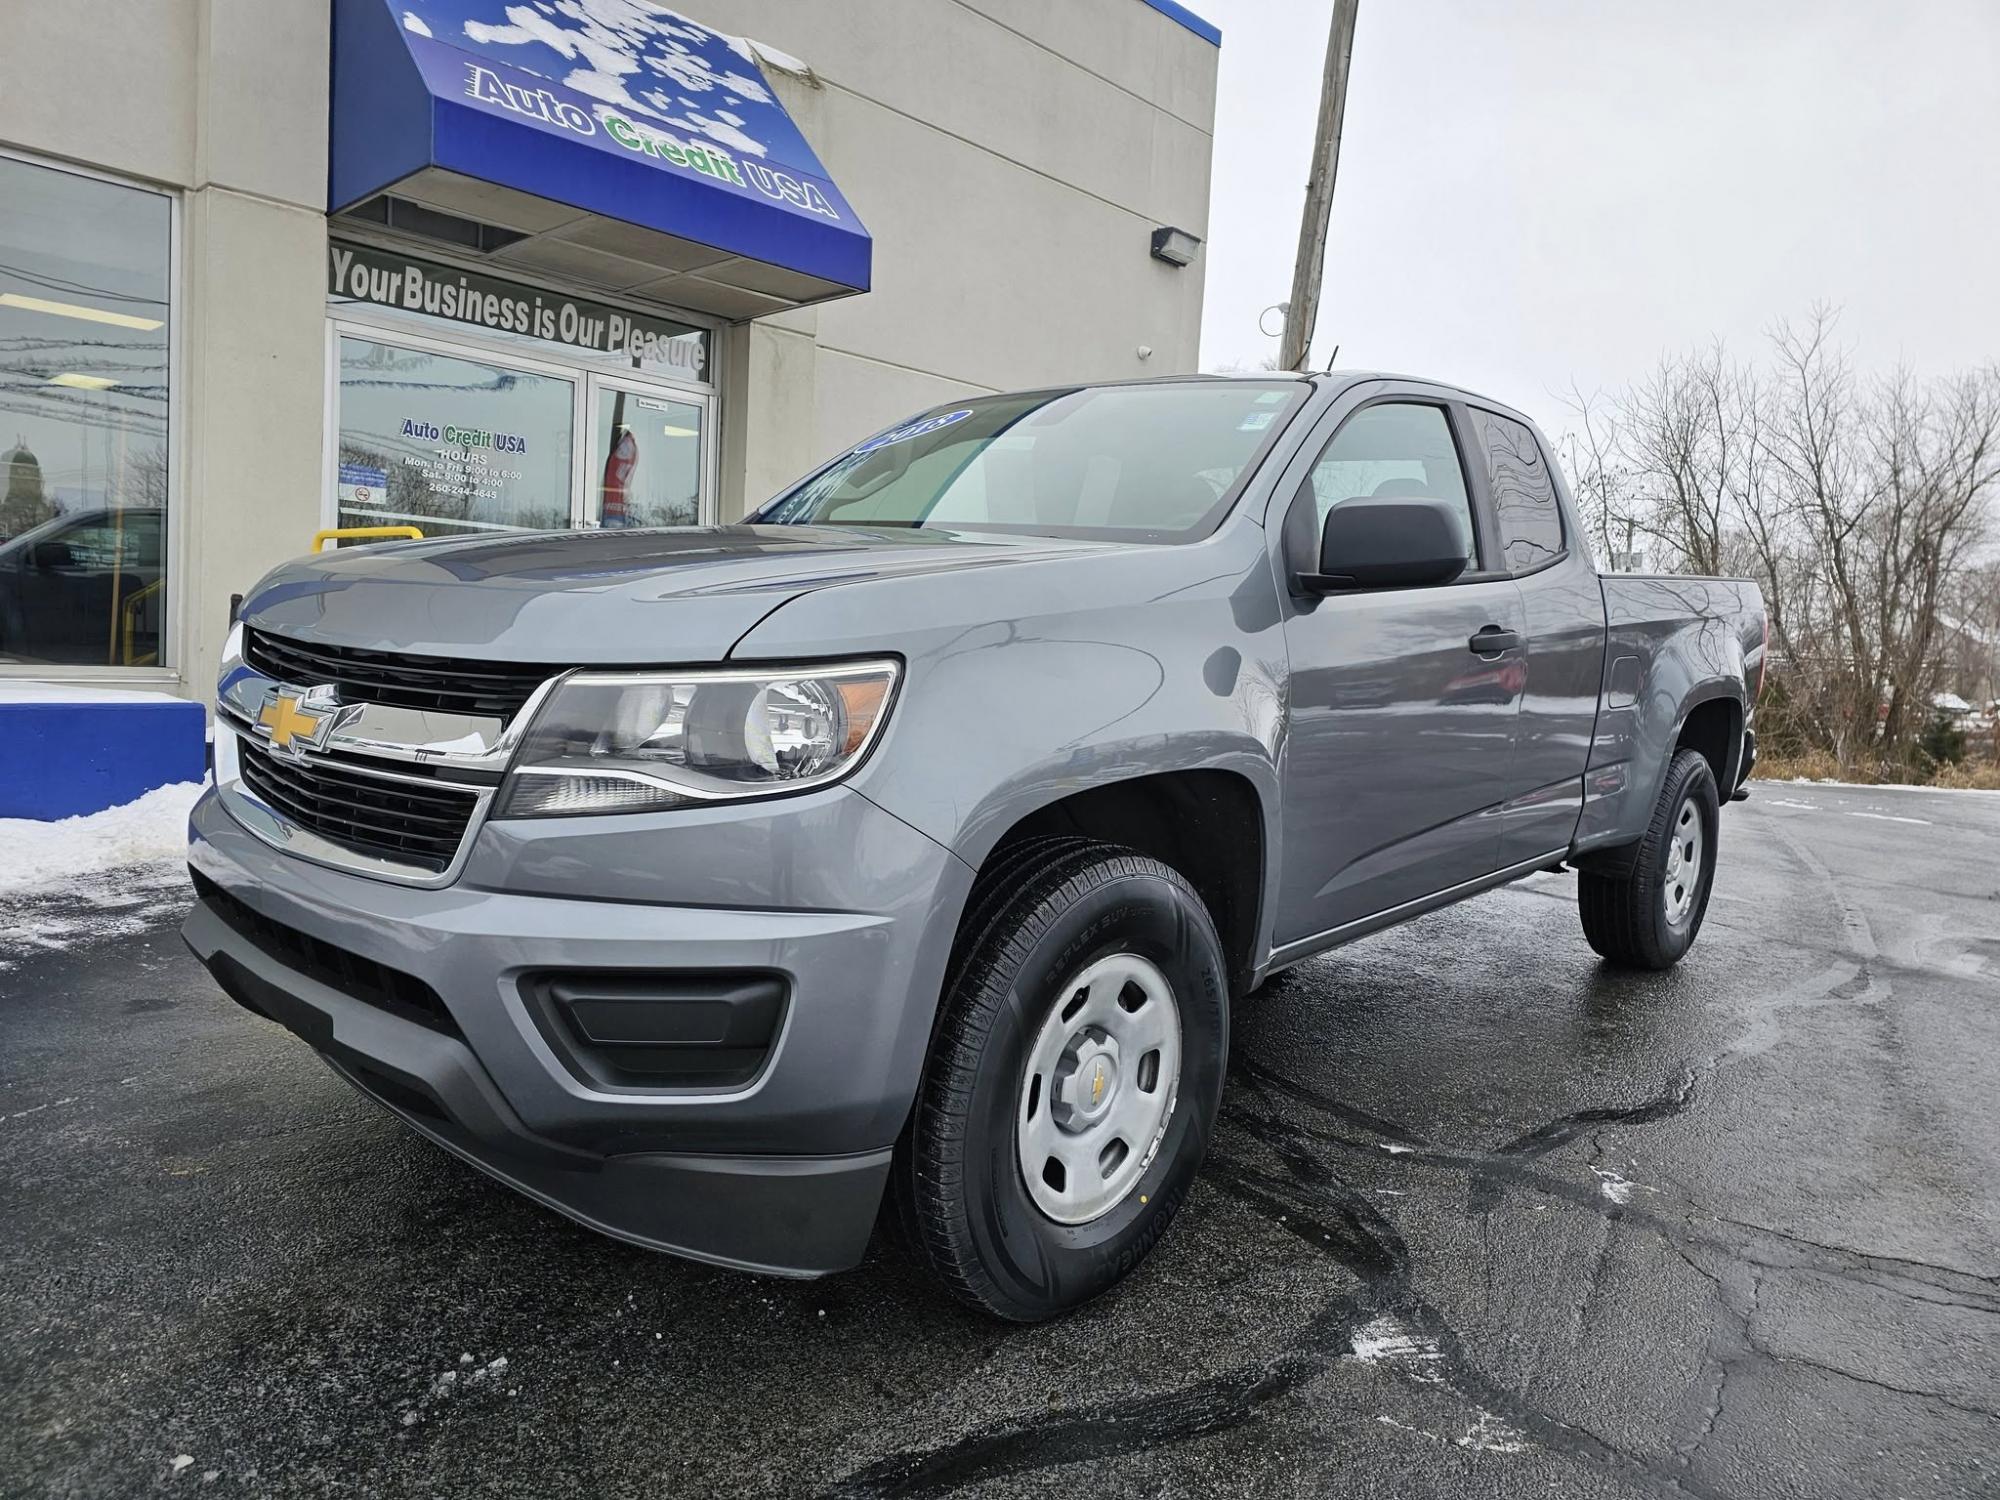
(84, 277)
(470, 403)
(450, 445)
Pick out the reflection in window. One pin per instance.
(449, 445)
(1147, 462)
(1395, 448)
(84, 276)
(1524, 496)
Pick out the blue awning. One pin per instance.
(614, 143)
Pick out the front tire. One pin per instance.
(1074, 1080)
(1648, 917)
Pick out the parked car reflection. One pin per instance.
(85, 589)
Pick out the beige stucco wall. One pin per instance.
(225, 101)
(1010, 157)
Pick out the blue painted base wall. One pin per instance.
(61, 759)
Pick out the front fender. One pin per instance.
(1027, 683)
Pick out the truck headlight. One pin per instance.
(614, 742)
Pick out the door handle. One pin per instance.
(1493, 641)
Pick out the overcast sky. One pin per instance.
(1549, 190)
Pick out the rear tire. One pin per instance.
(1648, 917)
(1035, 1055)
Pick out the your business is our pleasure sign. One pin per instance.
(380, 278)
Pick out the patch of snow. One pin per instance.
(43, 858)
(1886, 786)
(1395, 1150)
(1890, 818)
(182, 1461)
(1617, 1188)
(465, 1377)
(414, 23)
(1491, 1435)
(619, 47)
(1387, 1421)
(721, 130)
(770, 57)
(35, 1109)
(1386, 1339)
(107, 874)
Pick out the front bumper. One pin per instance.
(783, 1173)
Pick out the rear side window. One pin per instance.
(1394, 448)
(1524, 492)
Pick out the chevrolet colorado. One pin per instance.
(916, 835)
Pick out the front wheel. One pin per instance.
(1074, 1081)
(1648, 917)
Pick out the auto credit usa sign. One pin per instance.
(623, 110)
(543, 105)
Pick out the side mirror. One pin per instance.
(1406, 541)
(47, 556)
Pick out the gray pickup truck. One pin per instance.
(914, 837)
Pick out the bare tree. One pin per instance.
(1860, 507)
(1599, 478)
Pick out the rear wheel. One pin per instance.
(1073, 1084)
(1648, 917)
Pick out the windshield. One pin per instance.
(1133, 462)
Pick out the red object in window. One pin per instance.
(619, 465)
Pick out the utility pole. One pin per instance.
(1303, 309)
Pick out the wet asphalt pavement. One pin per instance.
(1482, 1219)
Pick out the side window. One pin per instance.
(1524, 494)
(90, 546)
(1395, 448)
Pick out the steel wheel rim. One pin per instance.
(1683, 879)
(1098, 1090)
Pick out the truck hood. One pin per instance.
(682, 594)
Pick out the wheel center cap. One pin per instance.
(1086, 1081)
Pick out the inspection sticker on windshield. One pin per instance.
(914, 429)
(1257, 421)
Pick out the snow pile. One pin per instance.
(38, 859)
(107, 874)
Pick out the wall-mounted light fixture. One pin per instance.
(1174, 246)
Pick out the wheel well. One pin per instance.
(1715, 728)
(1208, 825)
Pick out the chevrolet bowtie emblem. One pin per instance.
(297, 719)
(1097, 1084)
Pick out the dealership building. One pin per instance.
(470, 265)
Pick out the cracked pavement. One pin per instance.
(1482, 1218)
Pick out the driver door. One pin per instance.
(1402, 729)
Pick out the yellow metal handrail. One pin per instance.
(128, 609)
(371, 533)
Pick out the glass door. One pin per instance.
(648, 463)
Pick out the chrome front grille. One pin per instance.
(434, 684)
(414, 822)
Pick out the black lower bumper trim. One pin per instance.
(791, 1216)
